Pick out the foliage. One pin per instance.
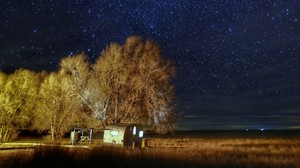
(17, 101)
(137, 81)
(84, 87)
(57, 110)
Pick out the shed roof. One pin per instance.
(120, 126)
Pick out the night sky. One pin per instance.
(237, 60)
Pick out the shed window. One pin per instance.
(134, 130)
(141, 134)
(114, 133)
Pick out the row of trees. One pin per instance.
(129, 83)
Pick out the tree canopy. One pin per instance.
(17, 98)
(138, 84)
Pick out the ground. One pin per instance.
(183, 149)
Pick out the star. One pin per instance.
(223, 50)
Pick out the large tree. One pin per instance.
(110, 73)
(57, 110)
(137, 82)
(5, 129)
(17, 101)
(86, 88)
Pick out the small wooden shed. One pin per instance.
(125, 135)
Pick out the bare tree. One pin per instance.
(56, 109)
(110, 73)
(5, 129)
(137, 81)
(85, 87)
(17, 101)
(2, 78)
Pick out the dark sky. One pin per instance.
(237, 60)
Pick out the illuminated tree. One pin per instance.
(85, 87)
(2, 78)
(5, 130)
(57, 110)
(137, 82)
(17, 101)
(110, 74)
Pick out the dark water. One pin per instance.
(295, 134)
(240, 123)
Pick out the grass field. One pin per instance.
(168, 151)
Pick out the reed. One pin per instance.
(168, 152)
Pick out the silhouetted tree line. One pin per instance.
(128, 83)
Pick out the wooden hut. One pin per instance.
(124, 135)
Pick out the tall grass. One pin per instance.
(178, 152)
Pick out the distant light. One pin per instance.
(262, 129)
(247, 129)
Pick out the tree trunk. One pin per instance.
(5, 134)
(116, 110)
(52, 132)
(1, 136)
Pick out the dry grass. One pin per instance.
(169, 152)
(260, 152)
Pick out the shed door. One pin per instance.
(128, 136)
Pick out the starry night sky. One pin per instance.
(237, 60)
